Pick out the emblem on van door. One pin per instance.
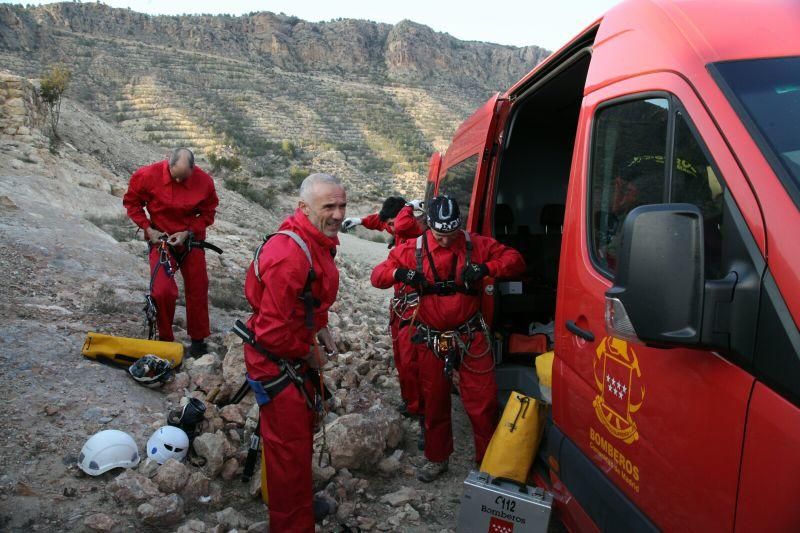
(620, 389)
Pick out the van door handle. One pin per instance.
(580, 332)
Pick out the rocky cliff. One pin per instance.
(366, 100)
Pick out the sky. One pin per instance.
(549, 24)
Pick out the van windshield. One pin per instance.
(766, 94)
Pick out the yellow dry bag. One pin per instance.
(516, 440)
(125, 351)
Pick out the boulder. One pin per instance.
(233, 368)
(196, 487)
(131, 487)
(192, 526)
(400, 497)
(162, 511)
(358, 440)
(211, 446)
(171, 476)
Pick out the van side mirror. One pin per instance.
(658, 292)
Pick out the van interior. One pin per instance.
(531, 192)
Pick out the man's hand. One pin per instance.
(417, 205)
(350, 223)
(153, 235)
(177, 239)
(325, 337)
(409, 277)
(474, 272)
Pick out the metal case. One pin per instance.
(495, 505)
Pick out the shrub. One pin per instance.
(288, 148)
(297, 175)
(53, 84)
(224, 162)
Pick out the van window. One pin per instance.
(457, 183)
(766, 94)
(695, 182)
(628, 170)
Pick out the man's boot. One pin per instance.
(430, 470)
(403, 409)
(322, 508)
(198, 348)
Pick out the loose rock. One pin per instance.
(130, 487)
(171, 476)
(99, 522)
(162, 511)
(358, 440)
(401, 496)
(230, 518)
(211, 446)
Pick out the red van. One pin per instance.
(649, 171)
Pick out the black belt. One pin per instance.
(290, 373)
(448, 288)
(295, 373)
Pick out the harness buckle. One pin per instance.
(446, 342)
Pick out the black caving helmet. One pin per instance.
(444, 216)
(391, 207)
(188, 417)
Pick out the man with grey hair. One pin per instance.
(181, 202)
(290, 285)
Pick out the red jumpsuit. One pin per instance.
(279, 324)
(444, 313)
(173, 207)
(405, 227)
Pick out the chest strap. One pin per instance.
(307, 297)
(439, 286)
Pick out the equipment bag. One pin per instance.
(516, 440)
(126, 351)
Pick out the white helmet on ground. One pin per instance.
(168, 442)
(108, 449)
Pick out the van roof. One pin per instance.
(638, 36)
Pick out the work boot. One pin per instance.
(322, 508)
(430, 470)
(403, 410)
(421, 437)
(198, 348)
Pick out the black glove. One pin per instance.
(409, 277)
(474, 272)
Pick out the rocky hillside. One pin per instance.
(366, 100)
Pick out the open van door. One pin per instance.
(466, 164)
(434, 165)
(466, 169)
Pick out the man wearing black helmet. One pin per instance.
(446, 266)
(397, 217)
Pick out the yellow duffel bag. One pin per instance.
(125, 351)
(516, 440)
